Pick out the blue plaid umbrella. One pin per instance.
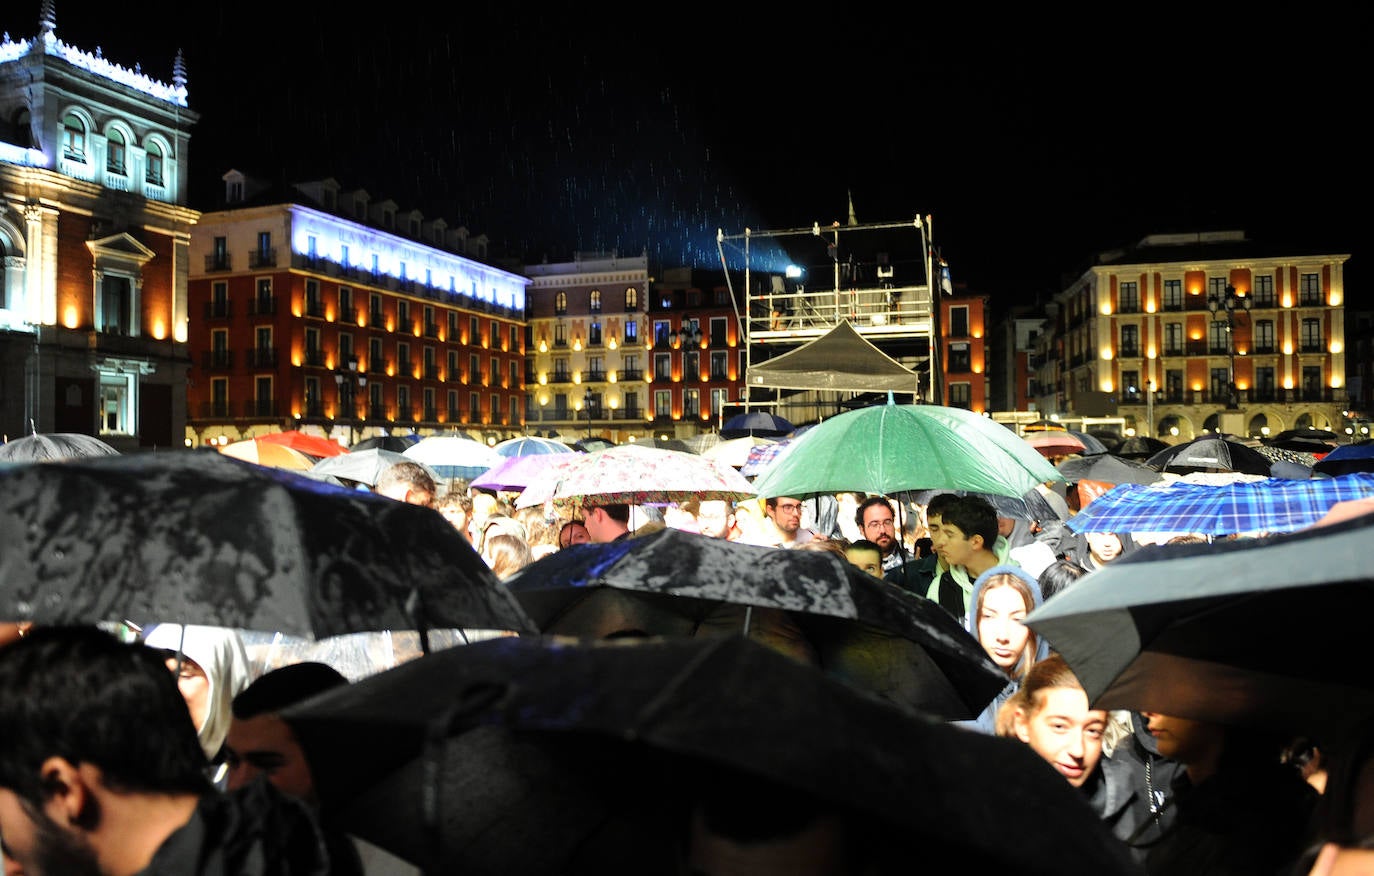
(1269, 505)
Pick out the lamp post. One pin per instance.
(587, 405)
(349, 382)
(1227, 302)
(1150, 406)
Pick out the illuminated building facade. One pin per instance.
(94, 244)
(1188, 333)
(322, 309)
(586, 359)
(697, 358)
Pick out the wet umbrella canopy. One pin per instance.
(889, 448)
(194, 536)
(811, 604)
(526, 756)
(55, 445)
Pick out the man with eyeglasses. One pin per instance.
(878, 522)
(785, 512)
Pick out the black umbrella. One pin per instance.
(760, 423)
(1249, 631)
(1309, 435)
(1032, 505)
(194, 536)
(1139, 447)
(1108, 469)
(1211, 453)
(1346, 459)
(53, 446)
(811, 604)
(393, 443)
(528, 756)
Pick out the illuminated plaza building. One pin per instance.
(323, 309)
(95, 238)
(1183, 334)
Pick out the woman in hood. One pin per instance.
(212, 667)
(1001, 598)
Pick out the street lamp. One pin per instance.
(587, 405)
(348, 382)
(1227, 302)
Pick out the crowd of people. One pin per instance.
(86, 789)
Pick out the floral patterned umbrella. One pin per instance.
(636, 475)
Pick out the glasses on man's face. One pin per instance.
(789, 507)
(880, 524)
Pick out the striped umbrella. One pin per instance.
(764, 455)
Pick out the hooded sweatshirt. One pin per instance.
(220, 653)
(959, 575)
(987, 719)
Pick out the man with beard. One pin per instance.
(101, 773)
(878, 522)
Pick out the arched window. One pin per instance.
(153, 172)
(631, 298)
(560, 303)
(114, 153)
(73, 138)
(596, 301)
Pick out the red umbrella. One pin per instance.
(311, 445)
(1054, 443)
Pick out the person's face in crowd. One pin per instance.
(1000, 627)
(880, 527)
(955, 548)
(1182, 739)
(194, 685)
(786, 514)
(572, 533)
(36, 845)
(457, 516)
(1105, 546)
(715, 518)
(869, 560)
(1064, 731)
(265, 746)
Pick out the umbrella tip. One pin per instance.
(890, 399)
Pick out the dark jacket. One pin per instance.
(1245, 821)
(254, 831)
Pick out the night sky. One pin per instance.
(1033, 143)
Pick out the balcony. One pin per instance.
(1195, 348)
(217, 360)
(218, 261)
(431, 330)
(431, 372)
(314, 358)
(314, 309)
(404, 367)
(262, 258)
(595, 376)
(376, 365)
(314, 408)
(261, 407)
(1130, 351)
(262, 357)
(218, 310)
(1310, 347)
(1265, 350)
(631, 374)
(560, 377)
(263, 305)
(217, 409)
(347, 315)
(376, 319)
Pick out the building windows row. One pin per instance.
(560, 301)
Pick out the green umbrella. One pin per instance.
(889, 448)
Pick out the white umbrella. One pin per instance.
(454, 456)
(734, 452)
